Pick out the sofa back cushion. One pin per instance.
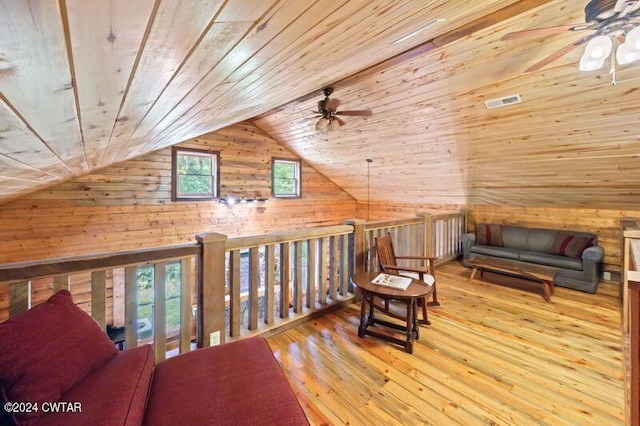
(541, 240)
(489, 235)
(48, 349)
(571, 245)
(515, 237)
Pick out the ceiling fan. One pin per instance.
(328, 111)
(607, 20)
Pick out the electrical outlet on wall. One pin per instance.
(606, 275)
(214, 338)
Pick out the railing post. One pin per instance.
(211, 288)
(356, 246)
(428, 233)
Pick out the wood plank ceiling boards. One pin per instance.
(86, 83)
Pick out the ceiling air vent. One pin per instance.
(507, 100)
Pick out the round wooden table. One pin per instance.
(416, 290)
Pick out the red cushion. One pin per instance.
(48, 349)
(237, 383)
(489, 235)
(114, 394)
(570, 245)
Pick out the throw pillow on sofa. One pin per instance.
(570, 245)
(30, 342)
(489, 235)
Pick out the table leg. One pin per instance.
(416, 324)
(473, 273)
(362, 316)
(410, 325)
(547, 290)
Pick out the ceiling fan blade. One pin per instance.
(358, 113)
(542, 32)
(559, 53)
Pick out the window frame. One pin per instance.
(215, 174)
(298, 177)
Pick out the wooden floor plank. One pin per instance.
(495, 353)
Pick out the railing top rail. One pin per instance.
(447, 215)
(287, 236)
(369, 226)
(22, 271)
(630, 227)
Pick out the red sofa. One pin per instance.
(57, 367)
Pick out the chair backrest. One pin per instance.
(386, 256)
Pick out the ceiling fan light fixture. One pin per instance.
(625, 55)
(322, 124)
(334, 124)
(633, 39)
(599, 48)
(589, 64)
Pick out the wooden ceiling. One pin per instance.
(88, 83)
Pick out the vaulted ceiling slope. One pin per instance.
(88, 83)
(574, 141)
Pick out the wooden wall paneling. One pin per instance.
(47, 108)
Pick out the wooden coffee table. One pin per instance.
(416, 290)
(545, 274)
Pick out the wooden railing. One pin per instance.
(113, 281)
(221, 288)
(446, 232)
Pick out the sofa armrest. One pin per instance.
(467, 241)
(593, 254)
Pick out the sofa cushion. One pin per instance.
(505, 252)
(114, 394)
(551, 260)
(541, 240)
(237, 383)
(515, 237)
(48, 349)
(489, 235)
(570, 245)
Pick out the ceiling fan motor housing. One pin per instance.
(601, 10)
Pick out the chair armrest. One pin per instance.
(471, 237)
(406, 269)
(418, 257)
(467, 241)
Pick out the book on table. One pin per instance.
(394, 281)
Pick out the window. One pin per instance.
(285, 178)
(194, 174)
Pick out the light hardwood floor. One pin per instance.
(494, 354)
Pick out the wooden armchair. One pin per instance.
(389, 264)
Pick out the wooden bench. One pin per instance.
(545, 274)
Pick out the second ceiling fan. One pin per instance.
(328, 110)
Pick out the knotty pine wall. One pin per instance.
(128, 205)
(603, 222)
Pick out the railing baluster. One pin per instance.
(324, 273)
(19, 298)
(61, 283)
(235, 303)
(344, 268)
(159, 311)
(99, 298)
(185, 305)
(131, 306)
(285, 263)
(254, 283)
(312, 273)
(269, 285)
(333, 269)
(297, 278)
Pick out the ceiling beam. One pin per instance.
(481, 23)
